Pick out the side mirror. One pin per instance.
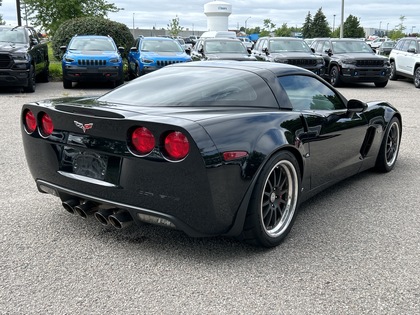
(265, 50)
(121, 49)
(356, 106)
(134, 49)
(329, 52)
(63, 48)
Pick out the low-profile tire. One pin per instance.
(67, 84)
(31, 86)
(273, 205)
(390, 146)
(335, 76)
(417, 77)
(381, 84)
(393, 76)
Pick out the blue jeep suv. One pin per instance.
(152, 53)
(92, 58)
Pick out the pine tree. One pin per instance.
(320, 27)
(307, 26)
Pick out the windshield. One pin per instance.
(353, 46)
(288, 45)
(234, 46)
(16, 36)
(194, 87)
(161, 46)
(92, 44)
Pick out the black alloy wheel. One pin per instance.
(393, 75)
(274, 202)
(335, 76)
(390, 146)
(417, 77)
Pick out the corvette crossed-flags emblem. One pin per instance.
(84, 127)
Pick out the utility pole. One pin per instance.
(19, 16)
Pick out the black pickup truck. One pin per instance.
(23, 58)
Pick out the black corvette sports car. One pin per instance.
(209, 148)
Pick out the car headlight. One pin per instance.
(145, 60)
(68, 59)
(281, 60)
(320, 61)
(114, 60)
(20, 58)
(348, 61)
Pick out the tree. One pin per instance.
(320, 27)
(352, 28)
(50, 14)
(284, 31)
(307, 26)
(269, 25)
(398, 32)
(174, 28)
(91, 26)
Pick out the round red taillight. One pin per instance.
(30, 121)
(176, 145)
(143, 140)
(47, 125)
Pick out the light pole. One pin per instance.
(380, 24)
(412, 28)
(387, 29)
(342, 19)
(334, 23)
(133, 20)
(245, 23)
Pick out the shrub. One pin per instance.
(91, 26)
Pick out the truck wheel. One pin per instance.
(45, 75)
(381, 84)
(30, 88)
(67, 84)
(417, 78)
(335, 76)
(393, 75)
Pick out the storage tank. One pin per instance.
(217, 13)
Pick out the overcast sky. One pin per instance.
(384, 14)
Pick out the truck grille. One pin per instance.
(91, 62)
(5, 61)
(370, 63)
(302, 62)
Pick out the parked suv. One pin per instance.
(294, 51)
(221, 49)
(405, 60)
(92, 58)
(351, 60)
(152, 53)
(23, 58)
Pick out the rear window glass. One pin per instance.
(195, 87)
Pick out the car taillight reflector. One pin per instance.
(143, 140)
(30, 121)
(47, 125)
(176, 145)
(234, 155)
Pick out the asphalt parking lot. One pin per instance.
(354, 249)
